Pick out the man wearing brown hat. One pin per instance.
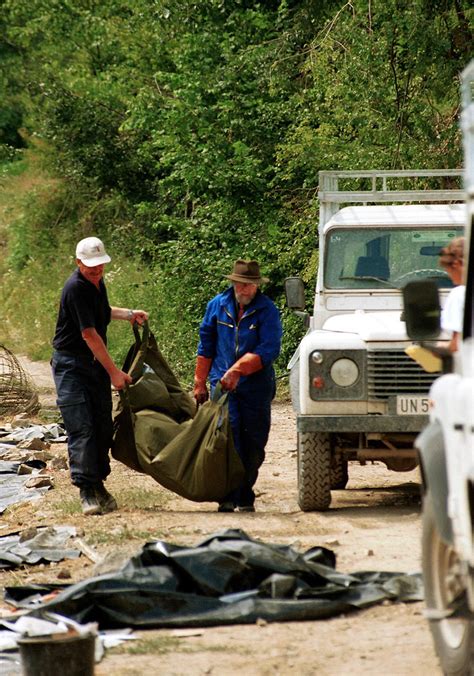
(240, 338)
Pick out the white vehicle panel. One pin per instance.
(453, 402)
(350, 302)
(370, 325)
(416, 215)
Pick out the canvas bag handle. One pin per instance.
(141, 343)
(141, 346)
(218, 395)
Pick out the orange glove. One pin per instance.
(203, 366)
(245, 366)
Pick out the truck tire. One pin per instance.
(453, 637)
(339, 473)
(314, 471)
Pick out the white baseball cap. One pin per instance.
(91, 251)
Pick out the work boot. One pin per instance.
(89, 501)
(226, 507)
(107, 501)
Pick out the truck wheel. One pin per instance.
(453, 637)
(339, 473)
(314, 471)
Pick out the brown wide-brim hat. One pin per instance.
(247, 272)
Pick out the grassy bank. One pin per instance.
(39, 227)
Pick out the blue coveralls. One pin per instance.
(83, 386)
(225, 339)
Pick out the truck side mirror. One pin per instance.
(294, 292)
(422, 310)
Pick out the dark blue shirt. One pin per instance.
(82, 306)
(225, 338)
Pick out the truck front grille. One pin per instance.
(391, 372)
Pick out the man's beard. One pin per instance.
(243, 300)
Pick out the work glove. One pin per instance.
(245, 366)
(200, 392)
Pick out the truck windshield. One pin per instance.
(366, 258)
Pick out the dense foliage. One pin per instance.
(188, 134)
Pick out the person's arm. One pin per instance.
(200, 392)
(131, 316)
(97, 346)
(245, 366)
(205, 355)
(454, 342)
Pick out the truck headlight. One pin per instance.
(336, 375)
(344, 372)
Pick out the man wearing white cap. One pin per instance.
(83, 371)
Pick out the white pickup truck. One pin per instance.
(357, 395)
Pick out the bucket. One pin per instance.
(70, 654)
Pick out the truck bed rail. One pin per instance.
(331, 190)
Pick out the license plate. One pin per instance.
(412, 405)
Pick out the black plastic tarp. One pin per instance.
(228, 578)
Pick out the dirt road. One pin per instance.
(373, 525)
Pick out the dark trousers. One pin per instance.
(85, 402)
(250, 418)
